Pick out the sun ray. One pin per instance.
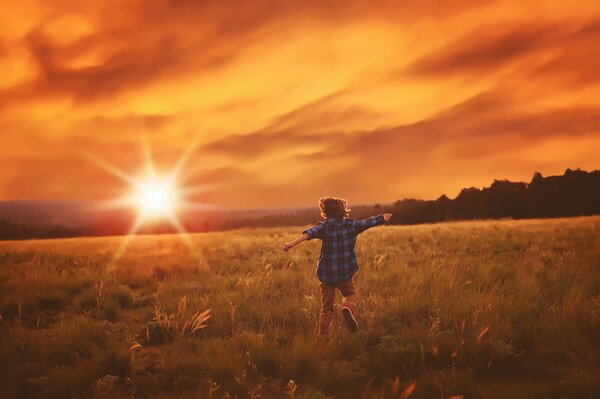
(183, 159)
(187, 191)
(148, 159)
(126, 240)
(185, 236)
(114, 203)
(198, 206)
(112, 169)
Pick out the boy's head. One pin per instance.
(332, 207)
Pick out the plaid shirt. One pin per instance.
(337, 262)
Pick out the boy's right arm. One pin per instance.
(309, 234)
(289, 245)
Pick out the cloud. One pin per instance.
(575, 65)
(287, 101)
(142, 43)
(314, 124)
(125, 69)
(483, 127)
(487, 49)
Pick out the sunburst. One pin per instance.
(153, 196)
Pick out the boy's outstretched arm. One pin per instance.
(364, 224)
(289, 245)
(308, 234)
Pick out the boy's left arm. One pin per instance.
(364, 224)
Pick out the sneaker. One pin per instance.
(351, 323)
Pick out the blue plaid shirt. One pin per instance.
(337, 262)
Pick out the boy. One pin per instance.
(337, 263)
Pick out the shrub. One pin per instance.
(110, 310)
(122, 295)
(71, 381)
(9, 309)
(267, 358)
(160, 273)
(85, 302)
(303, 359)
(115, 361)
(52, 301)
(74, 339)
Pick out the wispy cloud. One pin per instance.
(288, 101)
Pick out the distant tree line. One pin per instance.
(24, 231)
(575, 193)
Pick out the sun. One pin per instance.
(155, 195)
(155, 198)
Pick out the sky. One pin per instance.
(275, 104)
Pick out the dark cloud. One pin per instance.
(575, 65)
(484, 49)
(126, 69)
(573, 68)
(155, 41)
(489, 48)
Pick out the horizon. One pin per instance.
(306, 207)
(574, 193)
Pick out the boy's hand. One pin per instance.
(387, 217)
(289, 245)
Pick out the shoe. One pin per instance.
(351, 323)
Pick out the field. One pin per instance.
(490, 309)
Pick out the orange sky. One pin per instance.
(288, 101)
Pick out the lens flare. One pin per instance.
(155, 198)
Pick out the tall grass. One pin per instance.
(469, 309)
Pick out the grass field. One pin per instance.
(474, 309)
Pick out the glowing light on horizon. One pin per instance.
(153, 197)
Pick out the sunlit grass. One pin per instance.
(472, 309)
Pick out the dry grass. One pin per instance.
(469, 309)
(180, 324)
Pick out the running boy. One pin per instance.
(337, 263)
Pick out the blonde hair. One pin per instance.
(332, 207)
